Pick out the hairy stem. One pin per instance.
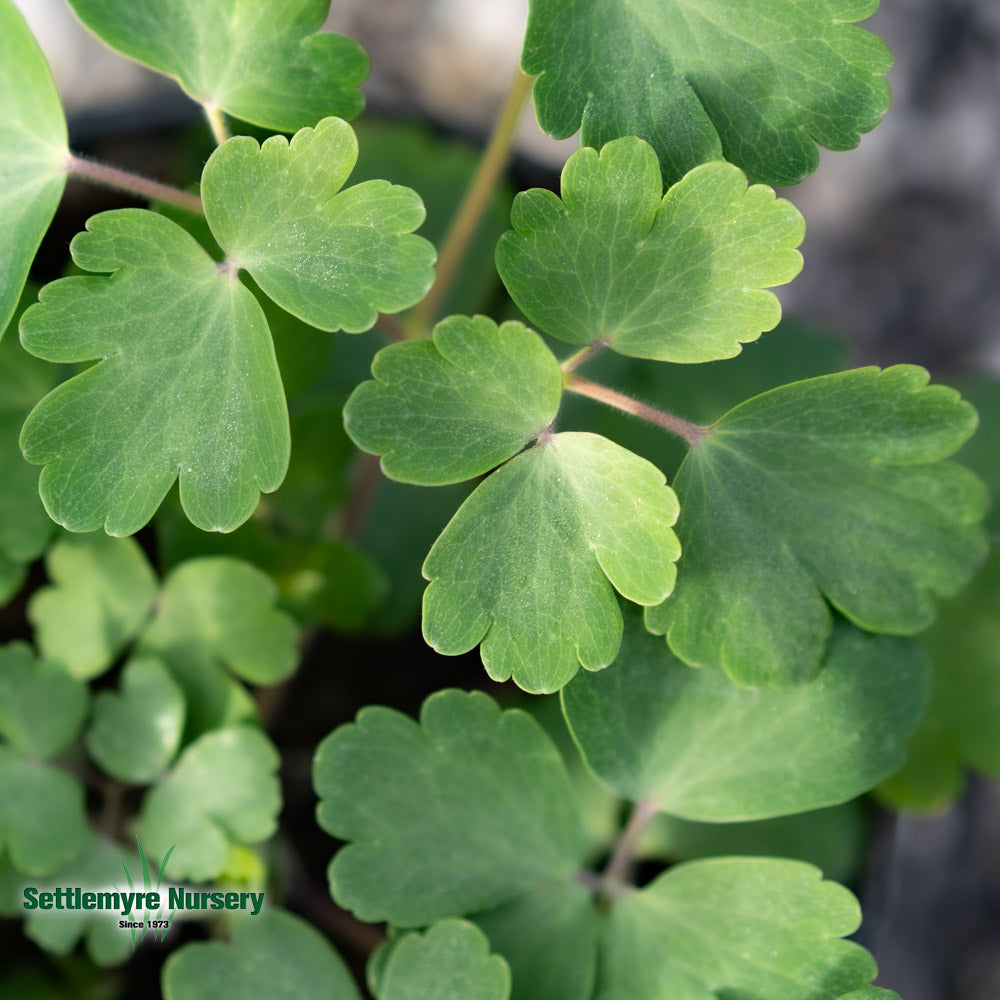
(217, 123)
(100, 173)
(584, 354)
(477, 200)
(621, 858)
(692, 433)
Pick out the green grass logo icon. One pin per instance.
(158, 932)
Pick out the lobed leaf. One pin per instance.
(33, 153)
(760, 83)
(333, 256)
(570, 521)
(453, 409)
(704, 749)
(186, 386)
(675, 277)
(468, 809)
(831, 489)
(267, 64)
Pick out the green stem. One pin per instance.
(217, 123)
(692, 433)
(584, 354)
(621, 858)
(100, 173)
(476, 202)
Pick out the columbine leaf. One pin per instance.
(102, 590)
(468, 809)
(759, 82)
(33, 153)
(449, 410)
(756, 928)
(674, 277)
(268, 64)
(703, 748)
(451, 959)
(870, 993)
(569, 522)
(223, 792)
(335, 258)
(831, 489)
(135, 734)
(275, 954)
(188, 384)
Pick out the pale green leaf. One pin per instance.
(466, 810)
(134, 734)
(275, 955)
(703, 748)
(265, 63)
(568, 522)
(674, 277)
(101, 594)
(760, 82)
(187, 385)
(753, 928)
(828, 490)
(870, 993)
(453, 409)
(33, 153)
(451, 959)
(222, 793)
(333, 256)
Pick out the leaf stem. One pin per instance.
(123, 180)
(692, 433)
(217, 123)
(621, 858)
(477, 199)
(584, 354)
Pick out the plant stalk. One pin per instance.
(217, 123)
(621, 859)
(123, 180)
(692, 433)
(584, 354)
(477, 200)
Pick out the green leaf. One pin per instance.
(451, 959)
(41, 706)
(335, 258)
(870, 993)
(33, 153)
(135, 734)
(831, 489)
(979, 454)
(703, 748)
(453, 409)
(674, 277)
(753, 928)
(960, 727)
(568, 520)
(188, 384)
(223, 792)
(102, 592)
(762, 82)
(274, 954)
(467, 810)
(268, 65)
(43, 822)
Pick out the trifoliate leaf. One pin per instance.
(102, 591)
(41, 706)
(703, 748)
(549, 939)
(135, 734)
(567, 522)
(467, 810)
(223, 792)
(831, 489)
(274, 954)
(760, 83)
(960, 727)
(451, 959)
(269, 64)
(33, 153)
(753, 928)
(453, 409)
(216, 616)
(334, 257)
(43, 822)
(674, 277)
(188, 385)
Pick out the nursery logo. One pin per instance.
(149, 910)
